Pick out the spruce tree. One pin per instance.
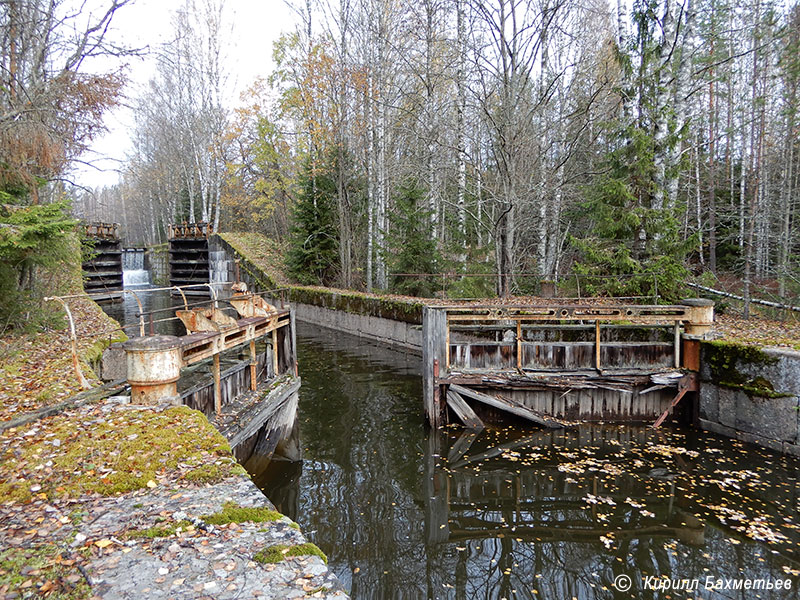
(629, 232)
(314, 248)
(412, 249)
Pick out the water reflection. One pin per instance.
(519, 512)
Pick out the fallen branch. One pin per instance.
(735, 297)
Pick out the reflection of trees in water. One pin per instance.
(519, 529)
(376, 489)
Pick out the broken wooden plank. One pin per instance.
(463, 411)
(515, 408)
(687, 383)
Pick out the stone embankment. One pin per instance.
(752, 394)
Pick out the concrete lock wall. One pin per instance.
(377, 329)
(752, 395)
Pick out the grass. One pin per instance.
(109, 455)
(279, 552)
(233, 513)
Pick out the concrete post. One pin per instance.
(154, 367)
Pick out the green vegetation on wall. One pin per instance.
(724, 360)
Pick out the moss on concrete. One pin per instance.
(159, 531)
(233, 513)
(279, 552)
(71, 455)
(724, 360)
(212, 473)
(38, 572)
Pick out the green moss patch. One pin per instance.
(233, 513)
(279, 552)
(71, 455)
(723, 360)
(159, 531)
(39, 571)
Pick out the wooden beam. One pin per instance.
(519, 345)
(217, 391)
(463, 411)
(510, 406)
(253, 381)
(597, 345)
(434, 341)
(274, 352)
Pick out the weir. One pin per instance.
(188, 255)
(561, 361)
(102, 271)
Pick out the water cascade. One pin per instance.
(133, 272)
(220, 268)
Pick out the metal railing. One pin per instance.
(140, 316)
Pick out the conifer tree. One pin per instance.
(412, 248)
(313, 254)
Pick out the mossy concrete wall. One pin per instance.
(751, 394)
(387, 320)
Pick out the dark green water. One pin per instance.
(516, 512)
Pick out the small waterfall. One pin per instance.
(133, 271)
(219, 269)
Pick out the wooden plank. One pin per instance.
(217, 391)
(253, 362)
(509, 406)
(434, 335)
(677, 343)
(463, 411)
(274, 352)
(597, 345)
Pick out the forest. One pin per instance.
(460, 147)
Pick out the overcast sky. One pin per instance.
(256, 25)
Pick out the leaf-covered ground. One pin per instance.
(36, 369)
(759, 331)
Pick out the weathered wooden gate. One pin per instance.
(560, 361)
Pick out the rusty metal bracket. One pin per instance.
(687, 383)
